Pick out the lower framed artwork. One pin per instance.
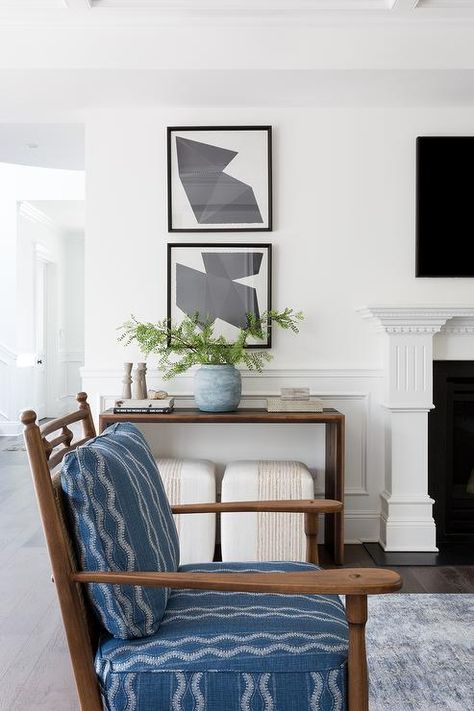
(221, 284)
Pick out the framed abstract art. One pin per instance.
(220, 179)
(220, 283)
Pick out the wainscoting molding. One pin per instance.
(17, 387)
(8, 426)
(356, 392)
(70, 363)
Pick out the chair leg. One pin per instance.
(358, 681)
(311, 528)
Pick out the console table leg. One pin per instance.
(334, 489)
(311, 528)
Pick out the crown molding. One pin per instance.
(420, 320)
(28, 5)
(285, 374)
(444, 4)
(163, 13)
(245, 5)
(459, 326)
(33, 214)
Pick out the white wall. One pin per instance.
(344, 222)
(18, 184)
(71, 316)
(344, 195)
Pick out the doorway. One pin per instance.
(42, 190)
(51, 310)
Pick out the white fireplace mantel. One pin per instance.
(407, 520)
(409, 347)
(420, 320)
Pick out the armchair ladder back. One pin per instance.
(46, 447)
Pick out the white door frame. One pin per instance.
(49, 340)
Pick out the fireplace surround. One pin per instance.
(407, 522)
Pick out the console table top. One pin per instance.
(243, 415)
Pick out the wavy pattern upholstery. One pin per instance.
(190, 650)
(122, 521)
(221, 651)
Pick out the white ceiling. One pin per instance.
(76, 90)
(42, 145)
(254, 5)
(56, 63)
(144, 12)
(272, 5)
(32, 4)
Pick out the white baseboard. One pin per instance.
(361, 526)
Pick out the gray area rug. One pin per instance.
(421, 652)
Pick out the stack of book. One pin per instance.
(294, 400)
(143, 407)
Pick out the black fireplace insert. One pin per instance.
(451, 449)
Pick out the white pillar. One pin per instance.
(407, 522)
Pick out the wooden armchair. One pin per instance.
(47, 445)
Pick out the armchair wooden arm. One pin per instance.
(310, 507)
(355, 583)
(342, 581)
(285, 506)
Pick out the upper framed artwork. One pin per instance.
(221, 283)
(220, 179)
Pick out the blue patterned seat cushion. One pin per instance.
(121, 521)
(221, 651)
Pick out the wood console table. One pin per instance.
(332, 419)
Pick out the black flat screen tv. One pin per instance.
(445, 206)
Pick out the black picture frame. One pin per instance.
(268, 221)
(231, 247)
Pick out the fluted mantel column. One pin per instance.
(407, 521)
(408, 353)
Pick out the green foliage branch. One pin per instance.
(191, 342)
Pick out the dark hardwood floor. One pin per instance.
(416, 579)
(35, 671)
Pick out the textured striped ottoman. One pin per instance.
(264, 536)
(189, 481)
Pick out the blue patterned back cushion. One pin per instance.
(122, 521)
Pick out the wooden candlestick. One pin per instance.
(142, 374)
(127, 381)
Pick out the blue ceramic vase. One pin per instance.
(217, 388)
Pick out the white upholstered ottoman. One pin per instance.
(189, 481)
(264, 536)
